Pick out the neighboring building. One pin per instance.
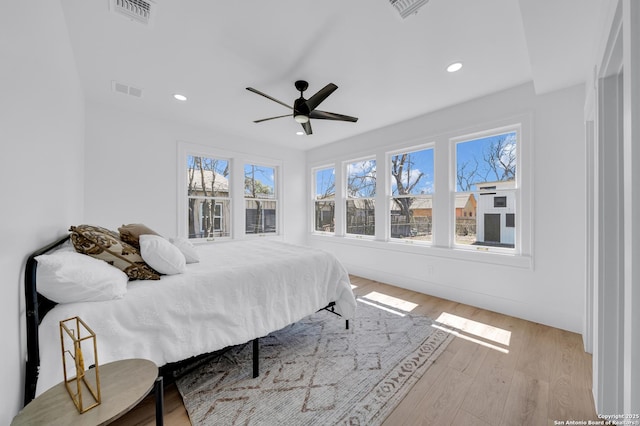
(496, 215)
(422, 207)
(465, 205)
(209, 206)
(325, 208)
(360, 216)
(417, 224)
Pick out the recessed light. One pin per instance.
(299, 133)
(454, 67)
(179, 97)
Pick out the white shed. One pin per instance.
(496, 214)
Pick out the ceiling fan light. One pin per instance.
(300, 118)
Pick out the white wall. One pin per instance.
(131, 174)
(41, 162)
(612, 316)
(549, 292)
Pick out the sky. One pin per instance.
(422, 162)
(466, 151)
(263, 174)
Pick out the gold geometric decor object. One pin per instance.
(84, 386)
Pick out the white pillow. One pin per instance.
(68, 276)
(161, 255)
(187, 248)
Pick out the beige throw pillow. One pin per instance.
(131, 233)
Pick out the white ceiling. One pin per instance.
(388, 69)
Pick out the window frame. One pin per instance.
(275, 199)
(346, 197)
(236, 190)
(444, 195)
(389, 197)
(516, 128)
(314, 199)
(215, 200)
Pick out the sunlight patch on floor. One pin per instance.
(380, 306)
(392, 302)
(474, 331)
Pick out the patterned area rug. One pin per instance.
(317, 372)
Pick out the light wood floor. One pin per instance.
(500, 371)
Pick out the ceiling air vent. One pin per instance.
(125, 89)
(136, 10)
(408, 7)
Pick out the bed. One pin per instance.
(238, 292)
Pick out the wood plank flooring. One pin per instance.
(501, 370)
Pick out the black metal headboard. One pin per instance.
(37, 307)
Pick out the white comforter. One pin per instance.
(238, 291)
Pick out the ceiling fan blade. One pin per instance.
(322, 94)
(271, 118)
(324, 115)
(251, 89)
(307, 127)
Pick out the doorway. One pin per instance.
(492, 227)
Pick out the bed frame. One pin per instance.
(37, 307)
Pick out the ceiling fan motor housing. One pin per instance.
(300, 110)
(305, 109)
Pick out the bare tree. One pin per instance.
(361, 184)
(468, 173)
(401, 170)
(361, 181)
(255, 189)
(202, 173)
(501, 158)
(498, 162)
(325, 202)
(328, 189)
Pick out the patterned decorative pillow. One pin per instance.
(106, 245)
(131, 233)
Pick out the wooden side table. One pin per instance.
(123, 384)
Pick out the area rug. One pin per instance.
(316, 372)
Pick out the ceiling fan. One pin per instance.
(305, 109)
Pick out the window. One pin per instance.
(511, 220)
(411, 201)
(324, 199)
(360, 195)
(486, 187)
(483, 184)
(209, 203)
(499, 201)
(260, 199)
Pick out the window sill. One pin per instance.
(427, 249)
(216, 240)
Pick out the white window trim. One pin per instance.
(345, 197)
(442, 243)
(277, 167)
(237, 160)
(389, 193)
(521, 127)
(185, 149)
(314, 171)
